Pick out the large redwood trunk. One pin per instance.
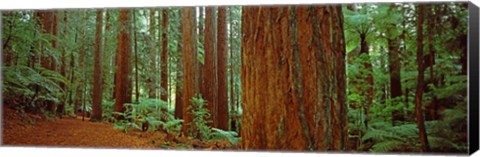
(293, 78)
(189, 55)
(164, 59)
(123, 54)
(210, 75)
(97, 71)
(222, 97)
(420, 82)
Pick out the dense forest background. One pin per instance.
(354, 77)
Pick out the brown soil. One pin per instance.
(65, 132)
(33, 130)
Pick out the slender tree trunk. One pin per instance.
(135, 49)
(61, 107)
(164, 61)
(294, 57)
(151, 81)
(123, 55)
(420, 82)
(233, 109)
(210, 68)
(81, 59)
(370, 92)
(189, 55)
(222, 102)
(97, 70)
(179, 81)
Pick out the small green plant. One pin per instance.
(148, 115)
(200, 128)
(230, 136)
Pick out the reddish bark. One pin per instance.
(164, 59)
(210, 75)
(222, 97)
(123, 55)
(420, 82)
(300, 80)
(97, 70)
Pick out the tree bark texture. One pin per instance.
(293, 78)
(189, 56)
(222, 96)
(210, 72)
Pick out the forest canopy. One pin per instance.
(388, 77)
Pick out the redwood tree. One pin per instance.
(123, 55)
(293, 78)
(222, 97)
(189, 56)
(97, 70)
(164, 57)
(210, 75)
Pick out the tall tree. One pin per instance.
(97, 70)
(135, 51)
(294, 58)
(151, 43)
(232, 94)
(123, 55)
(189, 56)
(164, 57)
(210, 75)
(61, 106)
(179, 76)
(222, 97)
(420, 81)
(394, 66)
(81, 61)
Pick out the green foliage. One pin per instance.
(200, 125)
(153, 112)
(24, 86)
(230, 136)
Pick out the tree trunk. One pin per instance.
(222, 102)
(151, 42)
(210, 68)
(420, 82)
(179, 80)
(123, 55)
(189, 55)
(370, 92)
(61, 107)
(81, 81)
(135, 49)
(293, 78)
(233, 109)
(164, 61)
(97, 70)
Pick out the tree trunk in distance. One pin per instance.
(123, 55)
(164, 57)
(97, 70)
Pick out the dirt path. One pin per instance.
(67, 132)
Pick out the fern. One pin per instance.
(230, 136)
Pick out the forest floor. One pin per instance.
(33, 130)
